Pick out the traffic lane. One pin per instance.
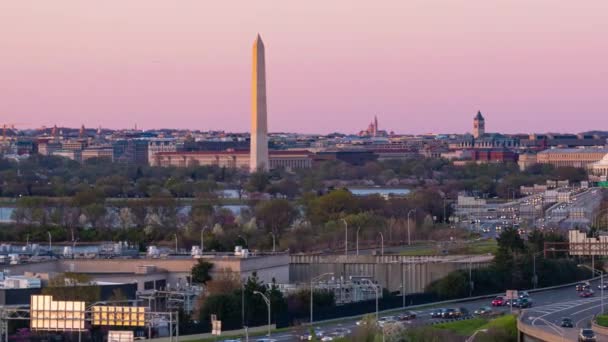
(423, 316)
(549, 317)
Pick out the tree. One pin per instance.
(258, 181)
(201, 272)
(275, 215)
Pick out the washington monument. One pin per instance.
(258, 158)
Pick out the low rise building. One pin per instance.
(573, 157)
(288, 159)
(105, 152)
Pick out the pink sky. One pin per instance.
(420, 65)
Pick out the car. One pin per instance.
(437, 313)
(483, 311)
(341, 332)
(566, 323)
(318, 333)
(499, 301)
(406, 316)
(523, 294)
(382, 321)
(586, 293)
(265, 340)
(362, 322)
(327, 338)
(581, 286)
(448, 313)
(586, 335)
(603, 286)
(460, 313)
(523, 303)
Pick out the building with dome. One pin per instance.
(600, 168)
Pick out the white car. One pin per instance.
(382, 321)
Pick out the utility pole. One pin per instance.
(345, 238)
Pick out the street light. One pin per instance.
(267, 301)
(557, 329)
(203, 239)
(534, 276)
(472, 338)
(601, 284)
(176, 243)
(381, 243)
(409, 241)
(273, 242)
(50, 243)
(357, 243)
(375, 286)
(345, 237)
(317, 278)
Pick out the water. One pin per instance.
(379, 191)
(5, 214)
(228, 193)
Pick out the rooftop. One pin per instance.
(576, 150)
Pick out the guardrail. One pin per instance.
(451, 301)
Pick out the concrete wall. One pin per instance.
(392, 271)
(173, 270)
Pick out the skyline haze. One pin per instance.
(421, 66)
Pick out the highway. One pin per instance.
(549, 307)
(580, 310)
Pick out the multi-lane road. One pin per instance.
(549, 307)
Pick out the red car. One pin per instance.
(499, 301)
(586, 293)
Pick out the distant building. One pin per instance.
(75, 155)
(489, 156)
(46, 147)
(101, 152)
(575, 157)
(543, 141)
(373, 130)
(158, 145)
(482, 140)
(353, 157)
(131, 151)
(479, 126)
(600, 168)
(526, 160)
(288, 159)
(76, 145)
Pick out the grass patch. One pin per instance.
(468, 327)
(506, 322)
(602, 320)
(464, 328)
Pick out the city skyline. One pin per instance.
(420, 67)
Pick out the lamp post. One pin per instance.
(559, 330)
(50, 242)
(472, 338)
(381, 243)
(345, 237)
(175, 243)
(357, 243)
(317, 278)
(273, 242)
(534, 276)
(267, 301)
(409, 241)
(375, 286)
(203, 239)
(601, 273)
